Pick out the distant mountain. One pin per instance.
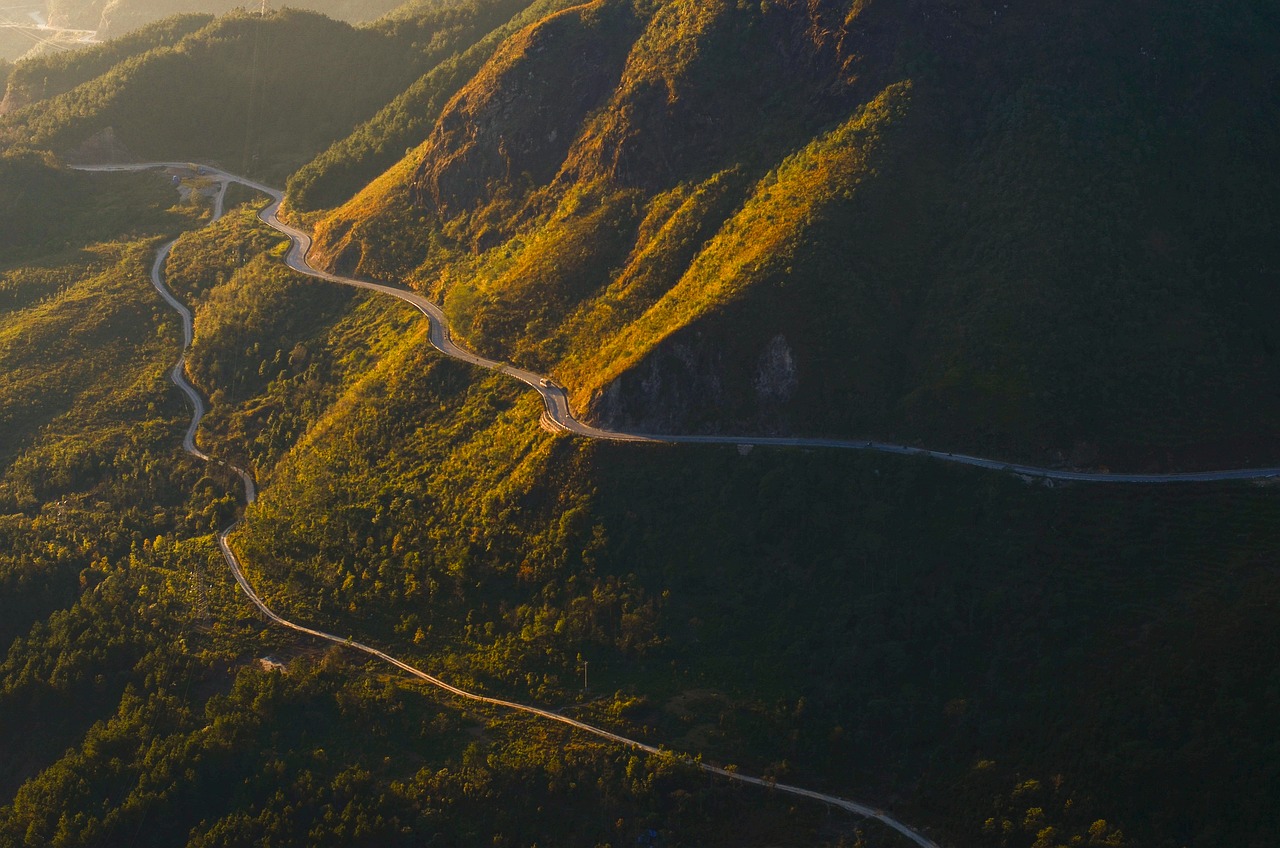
(50, 74)
(113, 18)
(262, 94)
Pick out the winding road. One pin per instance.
(557, 416)
(557, 412)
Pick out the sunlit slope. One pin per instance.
(1022, 267)
(963, 618)
(465, 37)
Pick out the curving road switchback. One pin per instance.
(557, 414)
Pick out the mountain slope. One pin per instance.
(265, 93)
(50, 74)
(1015, 274)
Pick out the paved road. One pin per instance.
(558, 416)
(439, 337)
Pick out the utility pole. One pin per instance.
(263, 12)
(584, 677)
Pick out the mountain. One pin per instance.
(112, 19)
(262, 92)
(979, 198)
(50, 74)
(1038, 233)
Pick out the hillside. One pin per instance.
(378, 143)
(140, 702)
(118, 18)
(262, 93)
(1043, 233)
(50, 74)
(1001, 260)
(944, 654)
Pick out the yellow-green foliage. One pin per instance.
(460, 44)
(92, 319)
(674, 229)
(513, 301)
(756, 244)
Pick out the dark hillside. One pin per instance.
(45, 208)
(1059, 247)
(50, 74)
(260, 94)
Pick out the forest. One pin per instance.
(905, 229)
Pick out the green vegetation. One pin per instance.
(133, 704)
(1009, 268)
(116, 19)
(1044, 233)
(47, 75)
(262, 94)
(375, 145)
(962, 617)
(47, 209)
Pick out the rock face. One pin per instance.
(695, 384)
(512, 125)
(776, 379)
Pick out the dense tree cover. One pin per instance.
(951, 645)
(1056, 246)
(116, 19)
(961, 618)
(47, 75)
(86, 424)
(133, 706)
(259, 94)
(46, 209)
(1005, 663)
